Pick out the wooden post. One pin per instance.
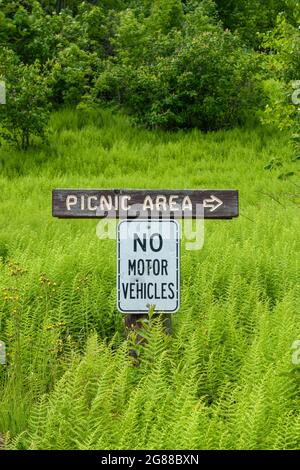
(134, 323)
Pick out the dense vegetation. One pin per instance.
(169, 63)
(225, 377)
(157, 94)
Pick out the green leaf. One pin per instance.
(284, 176)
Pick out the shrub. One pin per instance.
(27, 106)
(181, 79)
(71, 74)
(283, 65)
(166, 14)
(248, 17)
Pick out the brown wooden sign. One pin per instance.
(152, 203)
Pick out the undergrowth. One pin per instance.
(224, 379)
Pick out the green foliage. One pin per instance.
(64, 46)
(224, 379)
(3, 250)
(283, 43)
(250, 17)
(283, 65)
(71, 74)
(166, 15)
(34, 34)
(167, 62)
(26, 111)
(183, 78)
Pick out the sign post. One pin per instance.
(148, 239)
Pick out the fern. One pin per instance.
(224, 379)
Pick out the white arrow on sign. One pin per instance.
(213, 203)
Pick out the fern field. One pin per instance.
(225, 378)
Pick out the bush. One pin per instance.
(33, 32)
(27, 106)
(166, 14)
(283, 65)
(249, 17)
(182, 79)
(71, 74)
(282, 43)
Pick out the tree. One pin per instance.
(27, 108)
(196, 76)
(248, 17)
(166, 14)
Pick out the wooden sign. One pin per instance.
(148, 266)
(142, 203)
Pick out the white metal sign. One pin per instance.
(148, 266)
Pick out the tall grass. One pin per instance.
(225, 378)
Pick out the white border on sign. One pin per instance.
(177, 266)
